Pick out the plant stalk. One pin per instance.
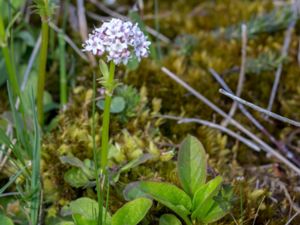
(62, 59)
(42, 71)
(106, 117)
(95, 153)
(63, 75)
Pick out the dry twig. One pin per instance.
(284, 53)
(292, 218)
(260, 109)
(280, 145)
(242, 73)
(215, 126)
(83, 27)
(69, 41)
(265, 146)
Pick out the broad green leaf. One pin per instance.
(76, 178)
(4, 220)
(104, 69)
(191, 165)
(165, 193)
(203, 198)
(215, 213)
(85, 211)
(132, 212)
(81, 220)
(169, 219)
(117, 104)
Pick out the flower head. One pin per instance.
(119, 41)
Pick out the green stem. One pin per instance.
(62, 59)
(95, 153)
(106, 116)
(12, 75)
(63, 76)
(42, 71)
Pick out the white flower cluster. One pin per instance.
(119, 41)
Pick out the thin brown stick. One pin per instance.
(260, 109)
(96, 17)
(292, 218)
(279, 144)
(181, 120)
(284, 53)
(256, 214)
(69, 41)
(264, 146)
(288, 196)
(83, 30)
(242, 73)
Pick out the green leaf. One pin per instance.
(4, 220)
(215, 213)
(191, 164)
(104, 69)
(165, 193)
(85, 212)
(81, 220)
(76, 178)
(203, 198)
(117, 104)
(169, 219)
(132, 212)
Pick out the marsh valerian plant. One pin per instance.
(199, 201)
(117, 42)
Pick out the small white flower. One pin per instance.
(119, 41)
